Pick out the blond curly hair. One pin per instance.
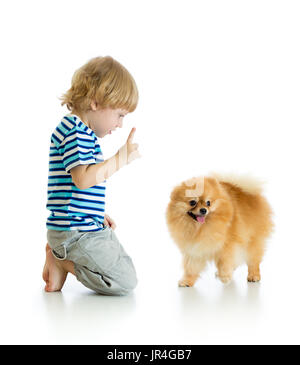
(105, 81)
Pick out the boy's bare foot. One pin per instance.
(53, 273)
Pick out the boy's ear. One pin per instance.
(94, 105)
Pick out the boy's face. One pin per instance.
(104, 121)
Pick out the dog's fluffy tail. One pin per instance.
(247, 183)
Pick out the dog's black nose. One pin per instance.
(203, 211)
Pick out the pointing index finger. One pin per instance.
(131, 135)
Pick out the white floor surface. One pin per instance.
(158, 312)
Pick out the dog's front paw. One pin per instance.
(226, 279)
(252, 278)
(185, 283)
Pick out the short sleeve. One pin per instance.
(77, 148)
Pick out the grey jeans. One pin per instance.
(100, 261)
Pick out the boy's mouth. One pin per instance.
(198, 217)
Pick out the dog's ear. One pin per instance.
(176, 193)
(214, 177)
(217, 183)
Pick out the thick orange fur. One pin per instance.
(237, 224)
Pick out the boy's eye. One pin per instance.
(193, 203)
(208, 203)
(122, 115)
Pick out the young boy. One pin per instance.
(81, 237)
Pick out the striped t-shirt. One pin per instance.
(73, 143)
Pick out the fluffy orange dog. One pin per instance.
(221, 218)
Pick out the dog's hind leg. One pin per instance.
(255, 254)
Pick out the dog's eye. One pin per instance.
(193, 203)
(208, 203)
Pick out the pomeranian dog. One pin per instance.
(220, 218)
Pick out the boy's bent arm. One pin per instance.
(85, 176)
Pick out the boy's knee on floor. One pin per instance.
(121, 283)
(119, 280)
(128, 282)
(120, 289)
(131, 282)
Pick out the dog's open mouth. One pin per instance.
(198, 217)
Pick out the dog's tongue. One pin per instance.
(200, 219)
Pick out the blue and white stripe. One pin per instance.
(73, 144)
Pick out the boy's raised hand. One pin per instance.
(127, 153)
(131, 148)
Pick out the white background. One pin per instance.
(219, 91)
